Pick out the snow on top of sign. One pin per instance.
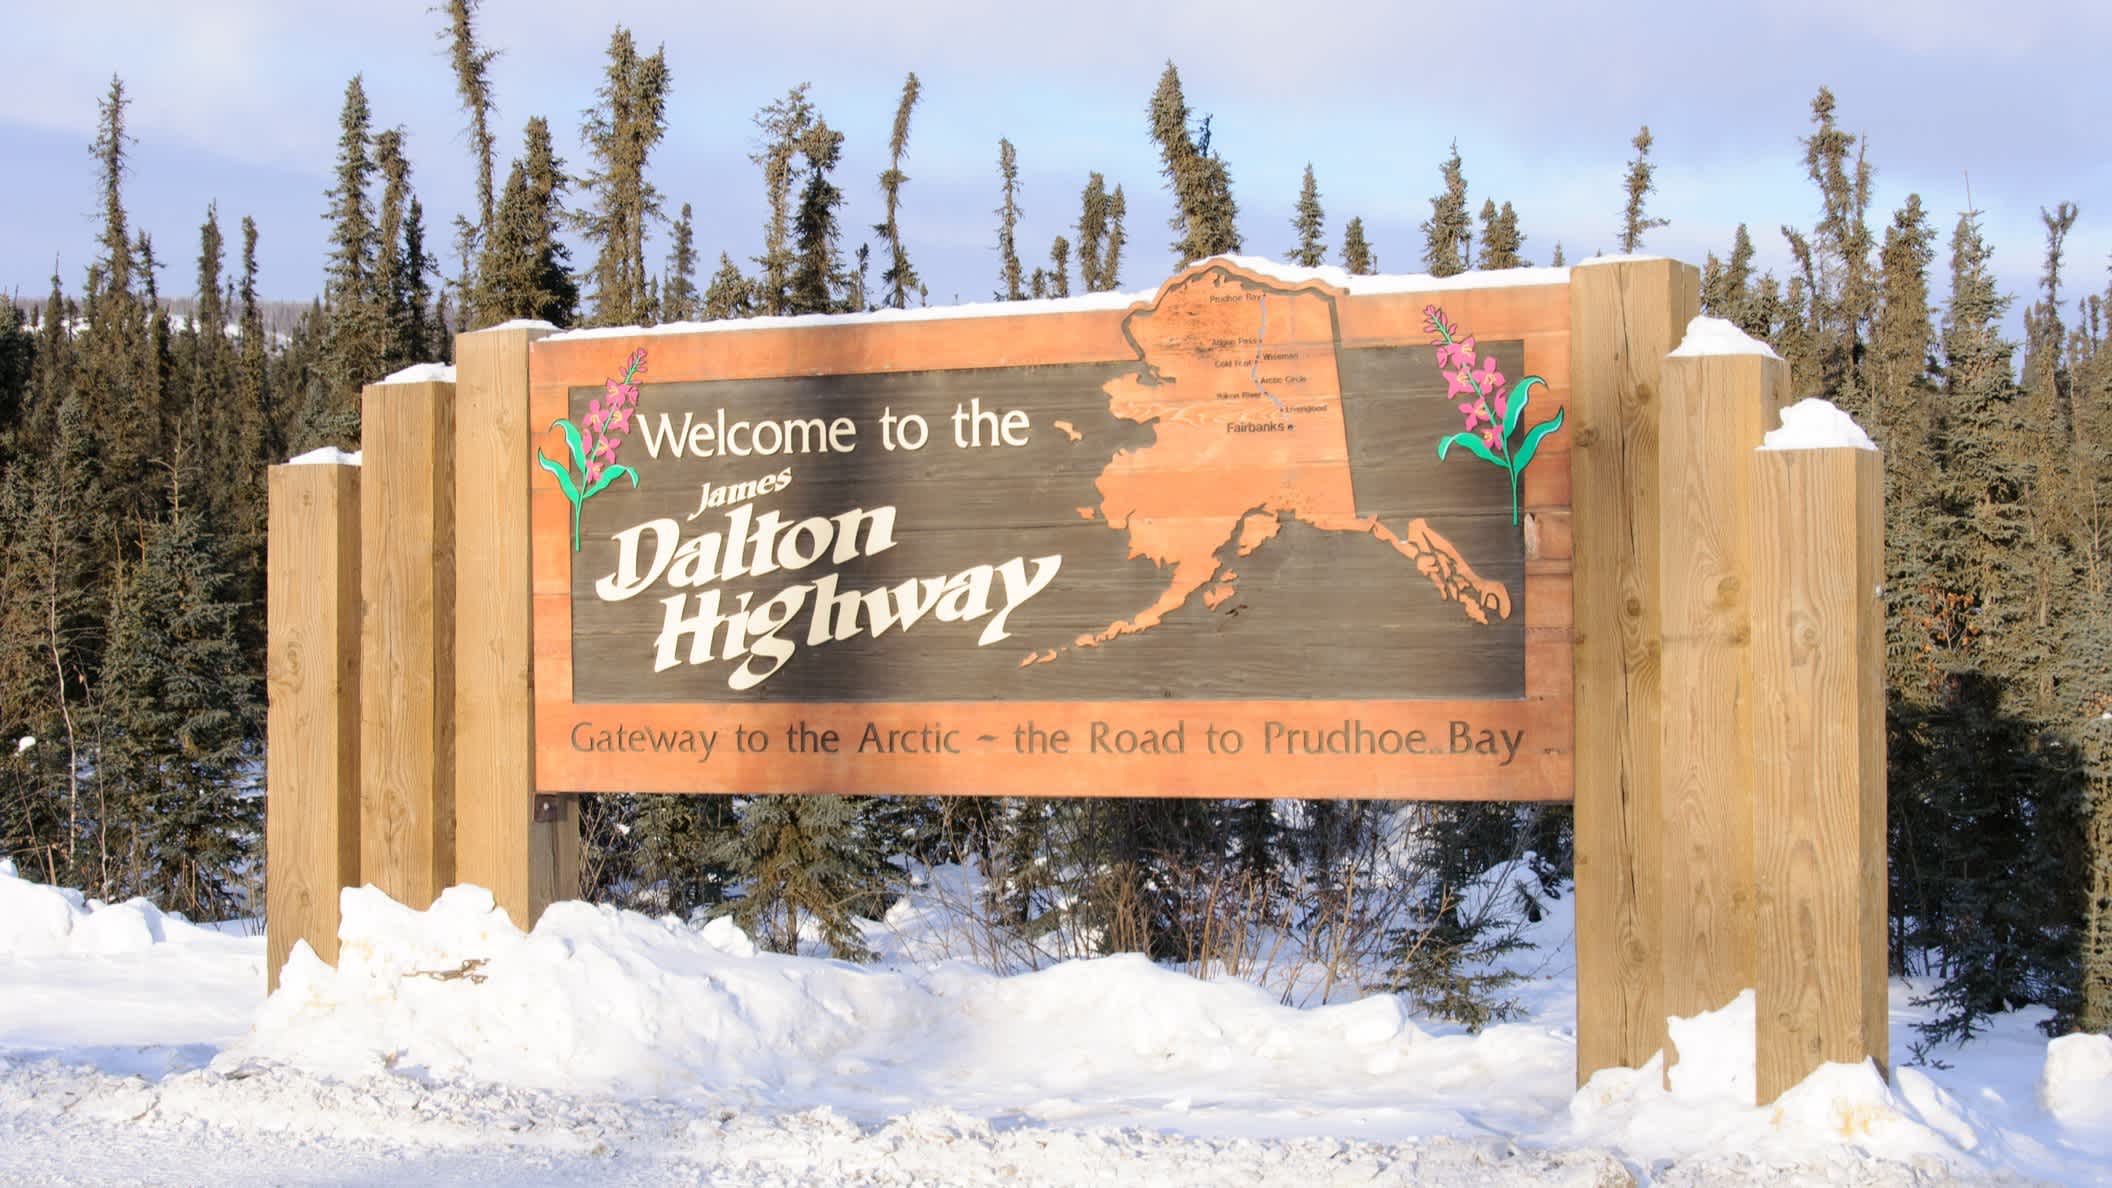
(1815, 424)
(523, 324)
(1616, 259)
(1715, 336)
(423, 373)
(326, 456)
(1275, 269)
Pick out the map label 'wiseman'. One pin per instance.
(753, 546)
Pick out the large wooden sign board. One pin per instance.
(1203, 545)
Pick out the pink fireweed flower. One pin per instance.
(1456, 354)
(1488, 378)
(1475, 411)
(620, 420)
(1460, 383)
(595, 416)
(594, 469)
(1492, 437)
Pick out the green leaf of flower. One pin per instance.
(1533, 438)
(564, 478)
(1473, 442)
(610, 475)
(1514, 406)
(579, 449)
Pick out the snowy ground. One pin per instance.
(608, 1047)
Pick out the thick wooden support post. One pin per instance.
(525, 863)
(1624, 317)
(407, 576)
(1819, 729)
(311, 843)
(1716, 409)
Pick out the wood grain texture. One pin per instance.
(498, 844)
(1714, 411)
(1819, 730)
(1624, 317)
(312, 747)
(407, 576)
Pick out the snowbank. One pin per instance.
(38, 921)
(613, 1001)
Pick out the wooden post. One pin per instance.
(1819, 728)
(1624, 316)
(1716, 409)
(407, 575)
(311, 814)
(526, 864)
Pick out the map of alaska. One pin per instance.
(1237, 378)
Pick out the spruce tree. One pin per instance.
(1059, 274)
(1839, 292)
(899, 279)
(526, 270)
(679, 300)
(180, 710)
(784, 124)
(1356, 254)
(1111, 258)
(1447, 234)
(1557, 260)
(472, 68)
(620, 133)
(1099, 235)
(804, 859)
(1008, 215)
(394, 269)
(1904, 429)
(1501, 244)
(730, 295)
(1205, 216)
(1640, 184)
(356, 325)
(817, 281)
(1310, 222)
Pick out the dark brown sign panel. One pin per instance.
(1203, 546)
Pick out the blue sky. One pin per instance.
(236, 101)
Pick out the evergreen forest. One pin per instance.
(138, 415)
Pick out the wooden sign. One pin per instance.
(1254, 537)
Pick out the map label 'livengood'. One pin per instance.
(1204, 545)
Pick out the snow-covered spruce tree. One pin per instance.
(526, 269)
(1639, 184)
(1009, 273)
(805, 860)
(1310, 224)
(1357, 256)
(620, 133)
(1205, 218)
(899, 278)
(1448, 233)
